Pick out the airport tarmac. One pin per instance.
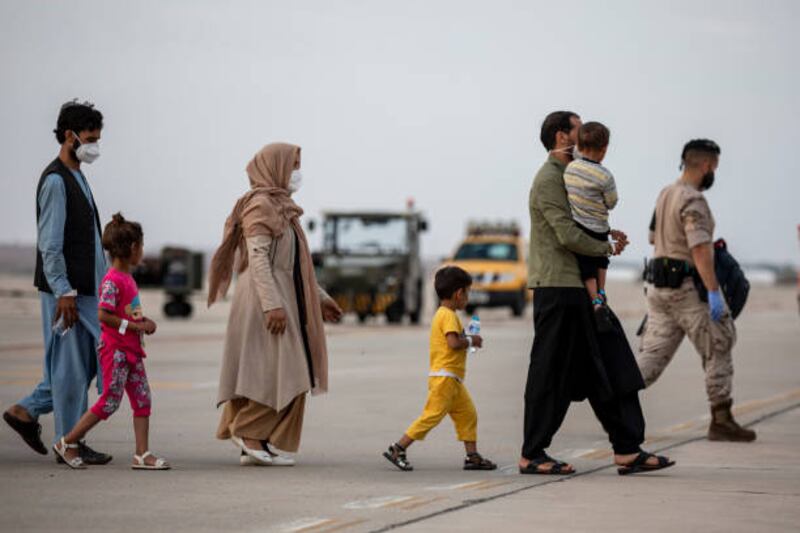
(378, 386)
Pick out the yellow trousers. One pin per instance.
(447, 396)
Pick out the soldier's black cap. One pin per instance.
(701, 145)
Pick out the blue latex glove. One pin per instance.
(716, 304)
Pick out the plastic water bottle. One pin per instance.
(474, 328)
(59, 329)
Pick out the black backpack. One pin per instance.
(731, 278)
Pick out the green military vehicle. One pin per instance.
(370, 263)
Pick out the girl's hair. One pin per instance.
(120, 235)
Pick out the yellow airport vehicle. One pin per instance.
(495, 256)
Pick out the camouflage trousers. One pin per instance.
(675, 313)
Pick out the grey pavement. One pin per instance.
(378, 384)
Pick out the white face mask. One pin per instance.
(295, 181)
(87, 152)
(571, 150)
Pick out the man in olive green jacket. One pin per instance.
(570, 361)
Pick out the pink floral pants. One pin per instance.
(122, 372)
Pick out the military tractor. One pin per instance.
(179, 272)
(370, 263)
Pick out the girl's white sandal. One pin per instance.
(76, 463)
(259, 456)
(139, 464)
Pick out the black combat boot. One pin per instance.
(723, 427)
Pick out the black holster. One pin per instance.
(664, 272)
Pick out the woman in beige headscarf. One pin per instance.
(275, 348)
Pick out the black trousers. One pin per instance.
(565, 365)
(589, 265)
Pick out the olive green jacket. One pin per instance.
(555, 237)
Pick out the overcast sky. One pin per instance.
(436, 100)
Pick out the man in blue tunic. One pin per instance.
(70, 264)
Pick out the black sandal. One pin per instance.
(640, 464)
(397, 456)
(559, 468)
(31, 432)
(475, 461)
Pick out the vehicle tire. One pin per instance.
(173, 308)
(178, 308)
(362, 318)
(470, 309)
(416, 314)
(394, 313)
(169, 309)
(518, 307)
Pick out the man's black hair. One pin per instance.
(77, 117)
(449, 279)
(553, 123)
(699, 145)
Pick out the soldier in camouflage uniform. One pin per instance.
(683, 237)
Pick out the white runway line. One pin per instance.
(376, 503)
(303, 524)
(457, 486)
(509, 470)
(579, 452)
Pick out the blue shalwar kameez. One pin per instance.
(70, 361)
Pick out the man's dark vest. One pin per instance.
(79, 234)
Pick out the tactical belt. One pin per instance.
(665, 272)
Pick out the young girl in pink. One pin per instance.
(121, 349)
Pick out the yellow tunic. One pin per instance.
(442, 356)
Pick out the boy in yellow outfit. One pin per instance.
(447, 394)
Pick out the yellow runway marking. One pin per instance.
(403, 502)
(377, 503)
(597, 454)
(457, 486)
(755, 405)
(482, 485)
(743, 408)
(306, 525)
(492, 485)
(318, 525)
(419, 502)
(341, 526)
(682, 426)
